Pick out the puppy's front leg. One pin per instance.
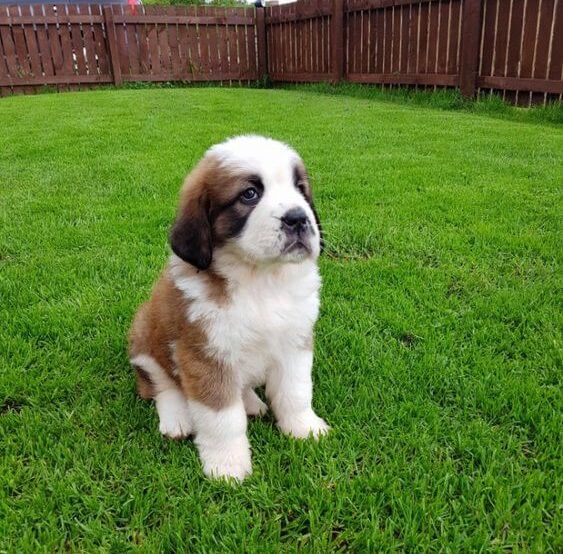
(221, 439)
(289, 387)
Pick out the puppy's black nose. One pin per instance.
(295, 220)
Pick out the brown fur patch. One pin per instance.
(161, 322)
(209, 212)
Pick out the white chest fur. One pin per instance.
(268, 311)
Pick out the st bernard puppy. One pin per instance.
(235, 307)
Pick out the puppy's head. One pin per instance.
(249, 195)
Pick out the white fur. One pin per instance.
(262, 239)
(264, 331)
(253, 406)
(174, 413)
(221, 440)
(171, 404)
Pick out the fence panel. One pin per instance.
(59, 45)
(299, 46)
(522, 50)
(70, 45)
(401, 42)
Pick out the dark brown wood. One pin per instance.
(112, 45)
(515, 38)
(152, 44)
(396, 44)
(122, 47)
(262, 44)
(501, 39)
(422, 47)
(54, 80)
(404, 38)
(444, 26)
(413, 39)
(31, 43)
(163, 76)
(556, 61)
(66, 43)
(163, 46)
(156, 18)
(88, 37)
(55, 46)
(511, 83)
(100, 44)
(543, 39)
(301, 77)
(380, 41)
(407, 79)
(279, 16)
(359, 5)
(144, 51)
(387, 42)
(452, 59)
(43, 44)
(26, 19)
(242, 49)
(78, 40)
(337, 40)
(24, 66)
(470, 43)
(174, 44)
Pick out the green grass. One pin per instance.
(438, 351)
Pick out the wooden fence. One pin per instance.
(512, 46)
(70, 45)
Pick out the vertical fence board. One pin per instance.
(32, 44)
(444, 26)
(471, 41)
(433, 34)
(121, 37)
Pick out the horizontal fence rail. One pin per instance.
(514, 47)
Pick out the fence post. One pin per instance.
(109, 24)
(261, 42)
(470, 41)
(337, 40)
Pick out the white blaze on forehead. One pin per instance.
(267, 157)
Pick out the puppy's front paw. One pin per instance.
(253, 406)
(302, 426)
(230, 462)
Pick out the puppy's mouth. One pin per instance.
(297, 246)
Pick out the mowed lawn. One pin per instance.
(438, 349)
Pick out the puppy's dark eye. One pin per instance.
(249, 195)
(301, 187)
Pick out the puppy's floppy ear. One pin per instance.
(319, 226)
(191, 236)
(301, 179)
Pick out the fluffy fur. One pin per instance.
(236, 305)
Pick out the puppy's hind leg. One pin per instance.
(171, 404)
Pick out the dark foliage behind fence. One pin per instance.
(511, 46)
